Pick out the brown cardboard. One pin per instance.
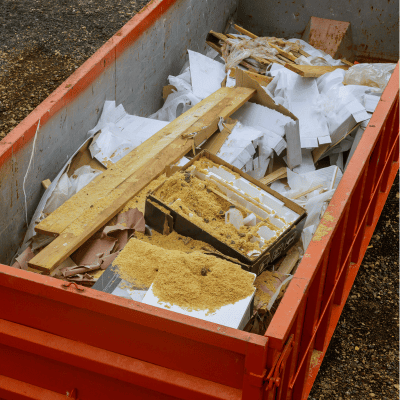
(185, 227)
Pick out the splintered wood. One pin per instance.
(87, 211)
(263, 50)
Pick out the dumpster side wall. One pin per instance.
(374, 24)
(131, 68)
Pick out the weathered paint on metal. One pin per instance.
(374, 24)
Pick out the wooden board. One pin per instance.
(76, 223)
(274, 176)
(313, 71)
(215, 142)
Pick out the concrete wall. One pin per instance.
(374, 24)
(135, 79)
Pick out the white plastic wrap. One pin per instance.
(375, 75)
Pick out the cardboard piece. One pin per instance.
(184, 226)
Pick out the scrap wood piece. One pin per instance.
(145, 163)
(216, 141)
(290, 261)
(46, 183)
(307, 191)
(261, 79)
(282, 52)
(274, 176)
(313, 71)
(245, 32)
(218, 49)
(221, 102)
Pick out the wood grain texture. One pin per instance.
(313, 71)
(274, 176)
(132, 173)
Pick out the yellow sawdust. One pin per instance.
(192, 281)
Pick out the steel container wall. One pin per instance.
(60, 340)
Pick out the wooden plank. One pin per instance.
(245, 32)
(46, 183)
(313, 71)
(55, 224)
(308, 191)
(289, 261)
(167, 90)
(274, 176)
(215, 142)
(144, 163)
(243, 63)
(261, 79)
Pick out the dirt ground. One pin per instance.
(43, 42)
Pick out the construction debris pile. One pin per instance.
(276, 123)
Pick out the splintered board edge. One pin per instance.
(83, 227)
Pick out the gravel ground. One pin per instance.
(43, 42)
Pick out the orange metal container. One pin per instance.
(58, 340)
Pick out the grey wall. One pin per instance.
(135, 80)
(374, 24)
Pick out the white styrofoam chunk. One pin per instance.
(260, 117)
(206, 74)
(309, 142)
(277, 222)
(371, 101)
(271, 201)
(232, 315)
(245, 185)
(183, 161)
(324, 140)
(223, 173)
(289, 215)
(266, 233)
(358, 111)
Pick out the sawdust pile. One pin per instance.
(192, 281)
(174, 241)
(205, 205)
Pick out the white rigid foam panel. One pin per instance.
(232, 315)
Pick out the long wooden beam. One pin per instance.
(86, 212)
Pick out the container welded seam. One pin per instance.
(80, 80)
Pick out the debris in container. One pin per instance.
(298, 134)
